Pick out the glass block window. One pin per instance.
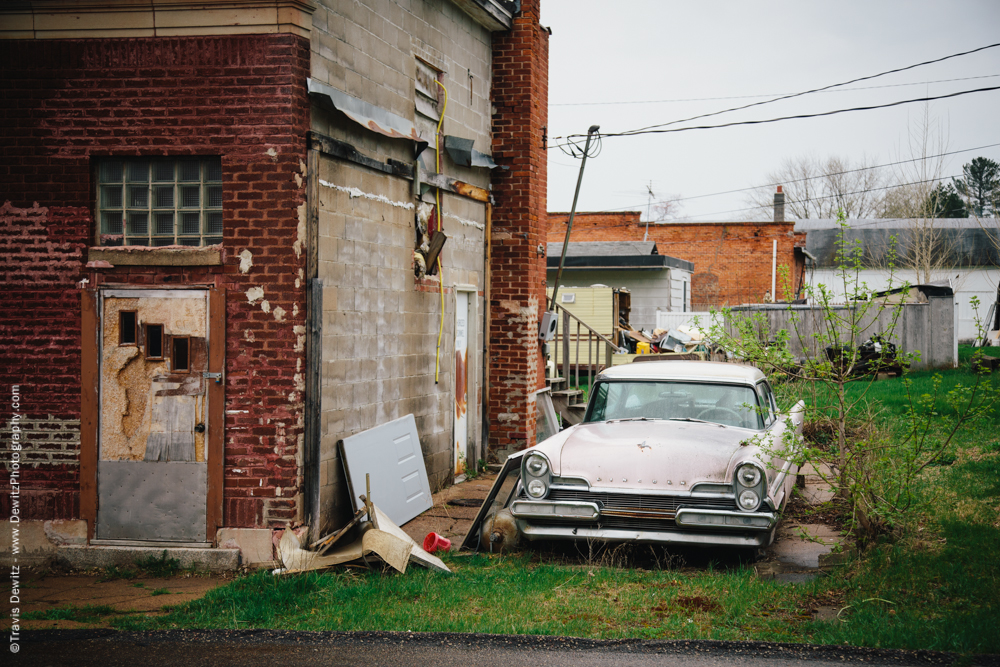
(159, 201)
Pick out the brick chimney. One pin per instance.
(779, 205)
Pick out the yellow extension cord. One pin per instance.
(437, 200)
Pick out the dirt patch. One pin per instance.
(697, 603)
(833, 513)
(68, 601)
(452, 513)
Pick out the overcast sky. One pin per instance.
(635, 63)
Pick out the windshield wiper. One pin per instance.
(692, 419)
(634, 419)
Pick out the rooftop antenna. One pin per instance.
(649, 207)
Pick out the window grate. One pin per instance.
(160, 202)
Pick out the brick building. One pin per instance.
(218, 247)
(732, 260)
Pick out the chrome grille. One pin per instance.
(634, 510)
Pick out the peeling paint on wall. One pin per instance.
(300, 339)
(254, 294)
(300, 230)
(279, 313)
(146, 409)
(246, 260)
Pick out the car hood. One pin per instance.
(659, 455)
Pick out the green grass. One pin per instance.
(937, 587)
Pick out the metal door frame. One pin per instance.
(471, 378)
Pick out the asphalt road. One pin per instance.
(252, 648)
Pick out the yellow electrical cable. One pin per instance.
(437, 201)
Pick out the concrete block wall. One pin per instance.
(240, 97)
(380, 323)
(732, 260)
(517, 297)
(370, 51)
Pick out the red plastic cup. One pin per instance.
(433, 542)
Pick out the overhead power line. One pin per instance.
(807, 92)
(813, 178)
(746, 97)
(633, 133)
(842, 194)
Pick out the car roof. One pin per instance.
(702, 371)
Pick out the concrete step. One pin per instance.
(202, 559)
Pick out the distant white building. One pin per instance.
(966, 252)
(656, 282)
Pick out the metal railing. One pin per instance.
(580, 347)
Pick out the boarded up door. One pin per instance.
(153, 437)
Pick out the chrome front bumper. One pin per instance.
(693, 525)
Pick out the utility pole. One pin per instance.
(572, 212)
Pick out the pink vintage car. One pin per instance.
(684, 452)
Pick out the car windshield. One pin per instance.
(727, 404)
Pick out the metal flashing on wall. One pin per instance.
(462, 153)
(367, 115)
(494, 15)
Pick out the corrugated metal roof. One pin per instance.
(962, 240)
(614, 255)
(604, 248)
(895, 223)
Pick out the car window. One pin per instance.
(732, 405)
(767, 406)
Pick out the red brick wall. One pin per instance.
(243, 98)
(520, 96)
(732, 260)
(40, 260)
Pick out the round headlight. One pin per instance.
(749, 500)
(536, 488)
(537, 465)
(748, 475)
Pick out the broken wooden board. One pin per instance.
(389, 543)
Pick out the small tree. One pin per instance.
(818, 188)
(834, 351)
(945, 202)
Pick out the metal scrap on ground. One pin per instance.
(388, 543)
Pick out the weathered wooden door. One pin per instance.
(152, 472)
